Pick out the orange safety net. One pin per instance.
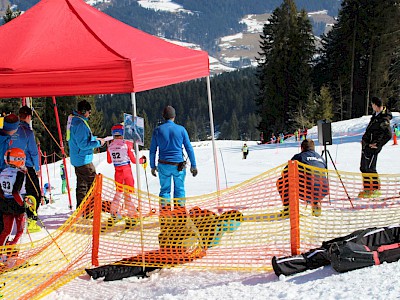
(284, 211)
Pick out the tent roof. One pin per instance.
(67, 47)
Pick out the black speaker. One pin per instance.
(324, 132)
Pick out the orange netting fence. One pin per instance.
(240, 228)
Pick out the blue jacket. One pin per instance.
(81, 142)
(169, 138)
(4, 145)
(25, 140)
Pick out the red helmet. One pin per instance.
(117, 130)
(15, 157)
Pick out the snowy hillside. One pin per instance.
(379, 282)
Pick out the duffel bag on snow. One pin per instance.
(349, 256)
(310, 260)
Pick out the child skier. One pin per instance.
(120, 153)
(11, 202)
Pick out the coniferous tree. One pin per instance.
(284, 67)
(10, 14)
(324, 105)
(359, 54)
(234, 127)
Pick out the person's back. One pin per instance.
(313, 183)
(168, 139)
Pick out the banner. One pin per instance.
(134, 129)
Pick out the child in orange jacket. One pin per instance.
(12, 206)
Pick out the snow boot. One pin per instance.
(130, 223)
(316, 209)
(109, 223)
(369, 194)
(33, 226)
(284, 213)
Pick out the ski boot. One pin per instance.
(111, 221)
(33, 226)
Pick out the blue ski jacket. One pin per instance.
(169, 138)
(24, 139)
(82, 141)
(4, 146)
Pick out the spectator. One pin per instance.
(245, 151)
(63, 180)
(168, 139)
(377, 134)
(313, 184)
(296, 135)
(24, 139)
(81, 144)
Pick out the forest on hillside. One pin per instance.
(233, 104)
(210, 21)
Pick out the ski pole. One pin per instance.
(44, 226)
(153, 210)
(31, 202)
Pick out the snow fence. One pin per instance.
(239, 228)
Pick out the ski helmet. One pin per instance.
(117, 130)
(15, 157)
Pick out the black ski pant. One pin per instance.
(369, 158)
(85, 176)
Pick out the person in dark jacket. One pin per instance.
(377, 134)
(168, 139)
(313, 183)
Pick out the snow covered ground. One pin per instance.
(379, 282)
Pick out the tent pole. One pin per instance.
(62, 149)
(134, 114)
(210, 110)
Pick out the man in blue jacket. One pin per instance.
(168, 138)
(10, 126)
(24, 139)
(81, 143)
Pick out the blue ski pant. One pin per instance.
(166, 174)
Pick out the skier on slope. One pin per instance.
(120, 153)
(12, 207)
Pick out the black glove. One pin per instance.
(193, 171)
(153, 171)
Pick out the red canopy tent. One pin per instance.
(67, 47)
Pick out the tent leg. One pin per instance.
(134, 114)
(210, 110)
(62, 149)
